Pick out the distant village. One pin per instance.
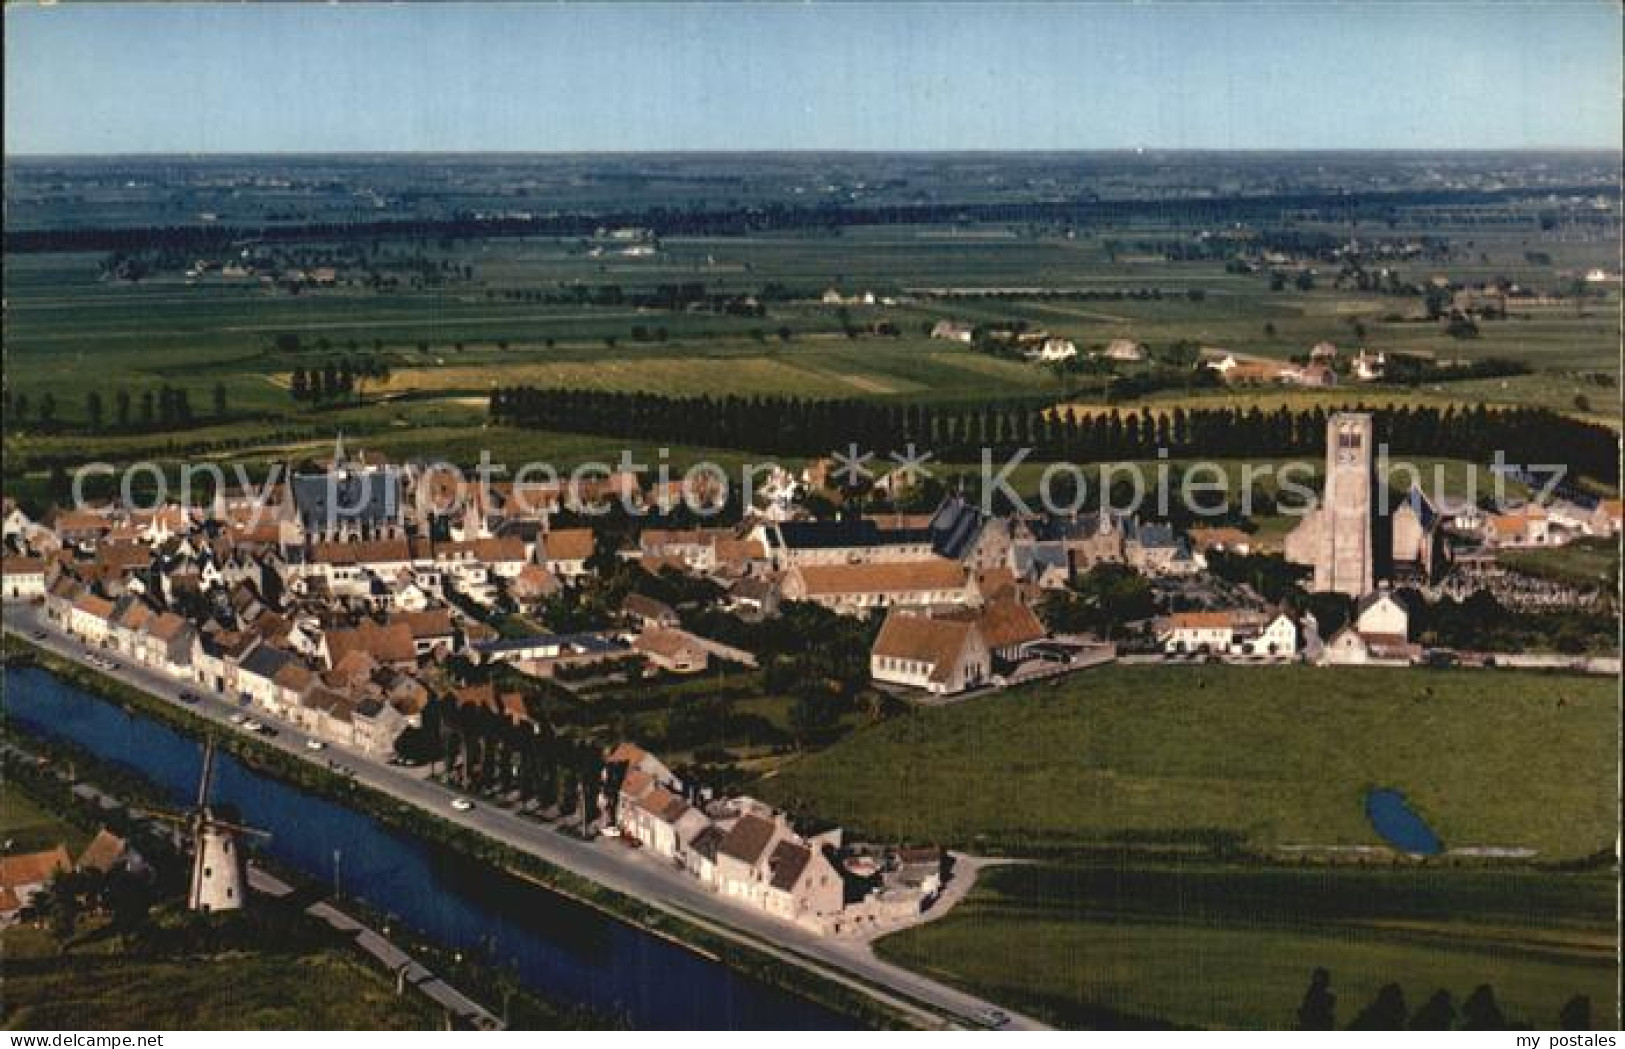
(340, 603)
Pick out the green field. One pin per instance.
(1108, 947)
(1585, 562)
(1258, 758)
(105, 985)
(30, 827)
(67, 331)
(1126, 783)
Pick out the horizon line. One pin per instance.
(835, 151)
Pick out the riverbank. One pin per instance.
(774, 967)
(78, 785)
(172, 969)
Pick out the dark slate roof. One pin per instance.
(265, 661)
(746, 840)
(1037, 558)
(1158, 536)
(787, 863)
(707, 841)
(1418, 501)
(1072, 526)
(955, 527)
(826, 535)
(367, 498)
(585, 642)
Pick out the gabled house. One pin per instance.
(564, 552)
(802, 884)
(675, 651)
(1006, 626)
(942, 656)
(90, 617)
(22, 578)
(390, 645)
(1380, 612)
(741, 870)
(257, 676)
(168, 644)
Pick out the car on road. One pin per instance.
(314, 744)
(610, 831)
(462, 804)
(38, 635)
(239, 719)
(267, 731)
(188, 697)
(252, 725)
(994, 1018)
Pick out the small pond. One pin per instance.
(1399, 826)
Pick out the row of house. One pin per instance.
(754, 856)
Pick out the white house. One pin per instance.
(23, 578)
(1199, 632)
(1380, 614)
(1369, 367)
(941, 656)
(1054, 349)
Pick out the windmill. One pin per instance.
(217, 883)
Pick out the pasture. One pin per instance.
(1250, 758)
(1229, 947)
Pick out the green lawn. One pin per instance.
(1253, 757)
(1234, 948)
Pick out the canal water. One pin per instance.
(561, 949)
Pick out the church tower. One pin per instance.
(1344, 561)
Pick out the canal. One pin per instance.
(561, 949)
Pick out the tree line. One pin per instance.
(480, 750)
(165, 408)
(335, 380)
(957, 433)
(1388, 1011)
(779, 216)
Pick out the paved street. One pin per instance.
(604, 861)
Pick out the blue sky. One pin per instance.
(559, 77)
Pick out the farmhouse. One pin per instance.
(1124, 350)
(953, 331)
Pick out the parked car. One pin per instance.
(314, 744)
(462, 804)
(38, 635)
(994, 1018)
(239, 718)
(188, 697)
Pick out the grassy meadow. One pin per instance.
(1118, 789)
(1254, 758)
(103, 984)
(1109, 947)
